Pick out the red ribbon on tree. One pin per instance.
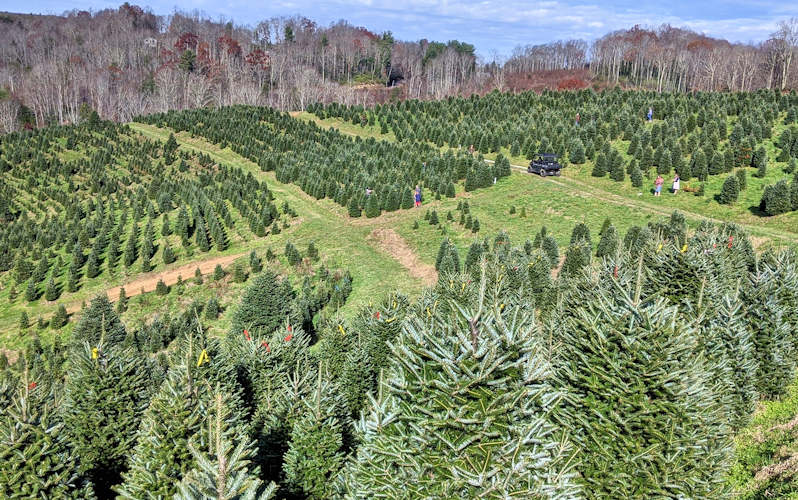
(731, 239)
(289, 328)
(264, 344)
(289, 337)
(377, 315)
(615, 271)
(246, 334)
(31, 386)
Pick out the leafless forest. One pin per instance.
(127, 61)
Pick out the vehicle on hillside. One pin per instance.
(544, 164)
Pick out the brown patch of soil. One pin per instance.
(390, 242)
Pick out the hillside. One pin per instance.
(289, 314)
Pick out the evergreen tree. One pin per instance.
(93, 265)
(24, 322)
(255, 264)
(315, 454)
(608, 243)
(264, 305)
(636, 176)
(760, 162)
(552, 251)
(224, 469)
(60, 318)
(730, 191)
(32, 291)
(652, 437)
(218, 272)
(774, 344)
(776, 199)
(313, 252)
(497, 439)
(577, 257)
(354, 207)
(121, 302)
(98, 322)
(161, 288)
(106, 393)
(175, 414)
(212, 309)
(168, 254)
(36, 457)
(600, 166)
(292, 255)
(742, 179)
(239, 274)
(51, 291)
(372, 206)
(197, 276)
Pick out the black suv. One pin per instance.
(544, 164)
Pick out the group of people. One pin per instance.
(659, 181)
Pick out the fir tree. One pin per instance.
(239, 274)
(51, 291)
(212, 309)
(197, 276)
(354, 207)
(730, 191)
(497, 437)
(552, 250)
(636, 177)
(292, 255)
(121, 302)
(223, 470)
(168, 254)
(161, 288)
(774, 345)
(264, 305)
(24, 322)
(634, 437)
(106, 393)
(742, 179)
(98, 321)
(372, 206)
(600, 166)
(60, 318)
(255, 264)
(36, 457)
(218, 272)
(608, 243)
(315, 454)
(32, 291)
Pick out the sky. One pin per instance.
(494, 27)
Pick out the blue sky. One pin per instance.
(494, 27)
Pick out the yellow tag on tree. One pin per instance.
(684, 248)
(95, 353)
(203, 358)
(341, 329)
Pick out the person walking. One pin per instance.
(650, 115)
(658, 182)
(577, 119)
(676, 183)
(418, 196)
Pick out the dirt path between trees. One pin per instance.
(390, 242)
(146, 282)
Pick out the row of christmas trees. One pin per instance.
(625, 376)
